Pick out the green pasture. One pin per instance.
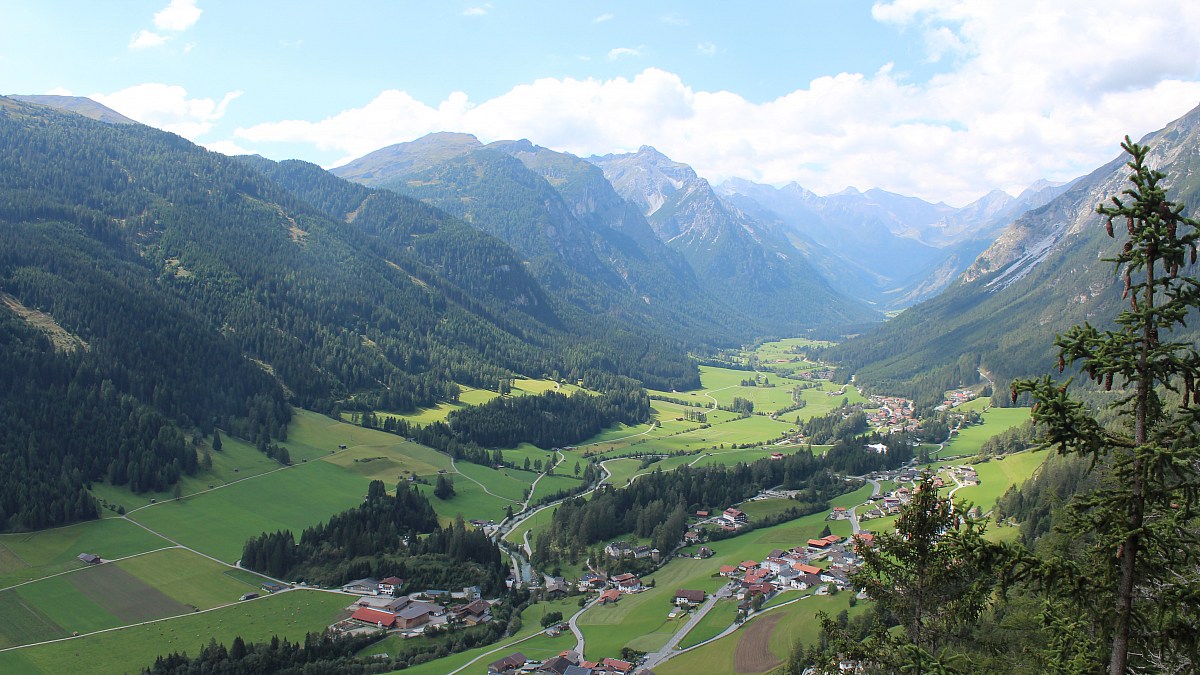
(34, 555)
(188, 578)
(469, 501)
(508, 483)
(998, 473)
(718, 619)
(752, 429)
(549, 485)
(289, 615)
(730, 456)
(982, 403)
(797, 621)
(219, 522)
(970, 439)
(438, 413)
(760, 508)
(622, 470)
(517, 456)
(532, 525)
(389, 461)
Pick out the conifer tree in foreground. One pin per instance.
(1139, 578)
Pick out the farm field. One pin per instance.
(970, 439)
(164, 583)
(290, 614)
(550, 485)
(34, 555)
(469, 501)
(219, 522)
(509, 484)
(997, 474)
(718, 619)
(764, 642)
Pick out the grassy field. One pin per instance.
(549, 485)
(130, 649)
(997, 474)
(38, 554)
(219, 522)
(718, 619)
(995, 420)
(469, 501)
(764, 642)
(190, 579)
(510, 484)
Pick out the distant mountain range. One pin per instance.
(1043, 273)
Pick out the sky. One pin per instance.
(940, 99)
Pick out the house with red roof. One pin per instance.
(610, 595)
(374, 617)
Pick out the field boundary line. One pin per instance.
(80, 569)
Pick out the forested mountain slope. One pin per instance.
(1043, 274)
(152, 288)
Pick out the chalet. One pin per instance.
(806, 569)
(832, 538)
(691, 537)
(704, 552)
(702, 514)
(806, 581)
(509, 664)
(555, 586)
(591, 581)
(374, 617)
(747, 565)
(617, 666)
(474, 613)
(366, 586)
(618, 549)
(818, 544)
(775, 564)
(839, 513)
(578, 670)
(89, 558)
(776, 553)
(735, 516)
(686, 598)
(559, 664)
(390, 585)
(628, 583)
(727, 570)
(641, 552)
(776, 455)
(864, 539)
(785, 577)
(610, 595)
(763, 588)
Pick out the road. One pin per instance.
(655, 658)
(854, 527)
(573, 623)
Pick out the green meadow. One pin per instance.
(290, 615)
(970, 439)
(35, 555)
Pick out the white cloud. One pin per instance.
(145, 39)
(622, 52)
(1036, 89)
(476, 11)
(603, 17)
(706, 49)
(168, 107)
(228, 148)
(180, 15)
(673, 19)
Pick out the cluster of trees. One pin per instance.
(834, 427)
(657, 504)
(547, 420)
(380, 537)
(318, 654)
(1105, 577)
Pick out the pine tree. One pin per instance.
(1142, 541)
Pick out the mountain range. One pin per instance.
(1045, 271)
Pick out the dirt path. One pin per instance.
(753, 653)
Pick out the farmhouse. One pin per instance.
(727, 570)
(390, 585)
(628, 583)
(374, 617)
(90, 558)
(704, 552)
(592, 580)
(474, 613)
(734, 516)
(686, 598)
(619, 549)
(416, 614)
(610, 595)
(508, 664)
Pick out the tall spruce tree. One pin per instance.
(1140, 524)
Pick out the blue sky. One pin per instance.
(941, 99)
